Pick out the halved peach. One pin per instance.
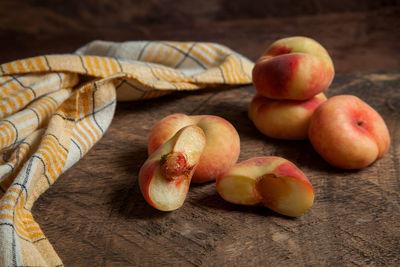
(165, 176)
(273, 181)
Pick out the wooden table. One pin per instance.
(94, 215)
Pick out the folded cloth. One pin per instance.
(54, 108)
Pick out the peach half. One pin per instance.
(273, 181)
(164, 178)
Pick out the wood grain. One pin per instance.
(95, 215)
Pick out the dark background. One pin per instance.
(360, 35)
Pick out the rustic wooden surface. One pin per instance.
(94, 215)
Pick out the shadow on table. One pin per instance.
(210, 199)
(127, 200)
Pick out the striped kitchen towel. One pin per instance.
(54, 108)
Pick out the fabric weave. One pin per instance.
(54, 108)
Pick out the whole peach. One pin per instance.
(283, 119)
(294, 68)
(348, 133)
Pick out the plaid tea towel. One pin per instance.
(54, 108)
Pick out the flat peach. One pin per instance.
(348, 133)
(295, 68)
(283, 119)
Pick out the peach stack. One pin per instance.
(289, 77)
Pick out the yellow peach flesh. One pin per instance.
(192, 143)
(167, 195)
(239, 190)
(285, 195)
